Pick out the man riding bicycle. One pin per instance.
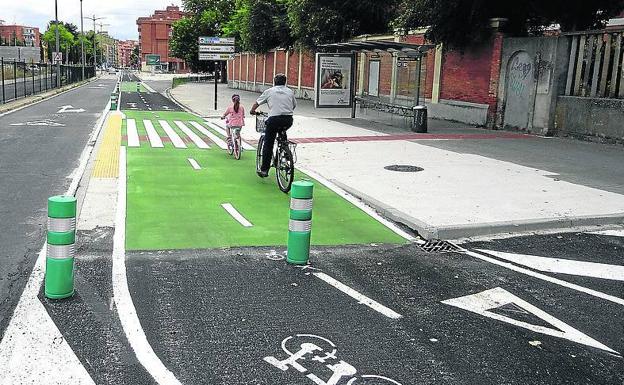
(281, 101)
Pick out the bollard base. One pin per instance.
(298, 248)
(59, 278)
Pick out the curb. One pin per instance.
(19, 104)
(427, 231)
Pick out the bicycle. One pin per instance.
(284, 156)
(234, 143)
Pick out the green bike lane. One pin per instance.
(172, 205)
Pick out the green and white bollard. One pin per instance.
(300, 224)
(114, 101)
(138, 87)
(59, 275)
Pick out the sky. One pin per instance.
(120, 14)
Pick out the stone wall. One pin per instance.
(590, 118)
(28, 54)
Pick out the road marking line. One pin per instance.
(147, 87)
(218, 141)
(192, 135)
(482, 303)
(361, 298)
(236, 215)
(612, 233)
(545, 277)
(175, 138)
(217, 127)
(153, 136)
(194, 163)
(123, 300)
(562, 266)
(133, 134)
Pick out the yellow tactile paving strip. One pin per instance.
(107, 160)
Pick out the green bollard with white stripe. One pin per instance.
(114, 100)
(60, 251)
(300, 224)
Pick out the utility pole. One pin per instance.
(82, 54)
(58, 48)
(94, 19)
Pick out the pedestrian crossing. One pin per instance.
(173, 133)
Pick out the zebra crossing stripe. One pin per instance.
(153, 136)
(218, 141)
(175, 138)
(216, 127)
(132, 133)
(192, 135)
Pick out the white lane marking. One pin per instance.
(133, 134)
(192, 135)
(123, 300)
(153, 136)
(33, 350)
(356, 202)
(482, 303)
(562, 266)
(361, 298)
(194, 164)
(69, 108)
(147, 87)
(218, 141)
(612, 233)
(546, 278)
(236, 215)
(217, 127)
(175, 138)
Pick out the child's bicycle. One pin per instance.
(234, 144)
(284, 157)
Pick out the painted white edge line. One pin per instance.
(192, 135)
(217, 127)
(30, 310)
(236, 215)
(356, 202)
(123, 300)
(361, 298)
(546, 278)
(153, 136)
(611, 233)
(132, 133)
(172, 134)
(194, 164)
(218, 141)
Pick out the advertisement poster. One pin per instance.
(334, 80)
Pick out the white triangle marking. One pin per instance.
(481, 303)
(563, 266)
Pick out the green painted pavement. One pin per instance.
(131, 87)
(172, 206)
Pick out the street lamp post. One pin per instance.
(82, 54)
(58, 49)
(94, 19)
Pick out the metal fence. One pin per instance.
(21, 79)
(596, 64)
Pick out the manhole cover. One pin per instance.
(403, 168)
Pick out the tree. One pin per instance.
(134, 57)
(459, 23)
(66, 39)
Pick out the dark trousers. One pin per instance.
(273, 125)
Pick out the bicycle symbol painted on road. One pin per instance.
(318, 349)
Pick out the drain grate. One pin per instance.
(403, 168)
(439, 246)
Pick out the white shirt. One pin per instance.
(280, 99)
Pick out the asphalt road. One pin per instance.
(39, 147)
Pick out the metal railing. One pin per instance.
(21, 79)
(596, 66)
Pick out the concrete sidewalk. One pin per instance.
(474, 182)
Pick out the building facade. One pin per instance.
(20, 35)
(109, 49)
(154, 35)
(124, 52)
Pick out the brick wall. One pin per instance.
(281, 62)
(293, 68)
(308, 69)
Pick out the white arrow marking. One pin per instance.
(69, 108)
(563, 266)
(482, 303)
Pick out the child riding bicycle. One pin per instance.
(234, 118)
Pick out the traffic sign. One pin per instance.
(215, 56)
(57, 57)
(217, 40)
(152, 60)
(217, 48)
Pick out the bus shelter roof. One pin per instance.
(408, 49)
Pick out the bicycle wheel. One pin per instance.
(230, 143)
(238, 148)
(259, 153)
(285, 168)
